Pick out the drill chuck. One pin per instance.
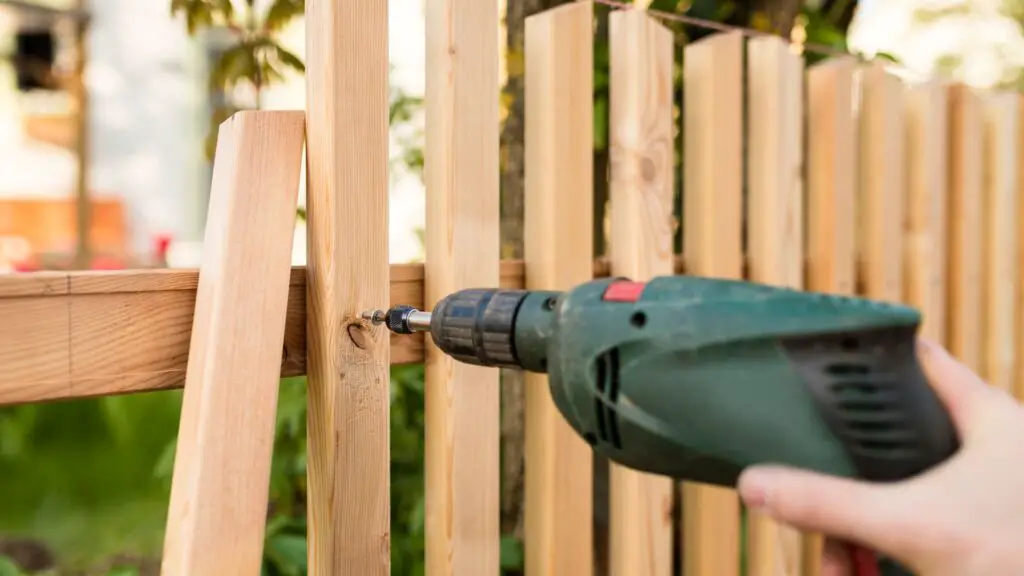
(401, 319)
(474, 326)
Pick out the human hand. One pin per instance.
(964, 517)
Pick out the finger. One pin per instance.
(846, 509)
(961, 391)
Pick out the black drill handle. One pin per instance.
(874, 396)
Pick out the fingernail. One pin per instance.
(753, 490)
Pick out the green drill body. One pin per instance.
(697, 378)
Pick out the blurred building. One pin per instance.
(149, 107)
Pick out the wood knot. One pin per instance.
(359, 332)
(648, 170)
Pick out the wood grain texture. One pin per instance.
(927, 188)
(463, 247)
(963, 248)
(64, 335)
(712, 243)
(1000, 206)
(347, 102)
(1019, 374)
(559, 211)
(775, 226)
(218, 503)
(882, 186)
(642, 176)
(831, 184)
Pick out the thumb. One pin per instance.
(870, 514)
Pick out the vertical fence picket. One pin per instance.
(882, 188)
(927, 189)
(831, 192)
(999, 238)
(348, 272)
(712, 246)
(964, 233)
(1019, 372)
(462, 244)
(558, 245)
(641, 192)
(775, 226)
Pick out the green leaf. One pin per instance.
(8, 567)
(887, 56)
(511, 553)
(235, 64)
(288, 552)
(281, 13)
(600, 123)
(289, 59)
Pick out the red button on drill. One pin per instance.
(624, 291)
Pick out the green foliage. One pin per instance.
(8, 567)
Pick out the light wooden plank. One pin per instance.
(963, 274)
(559, 208)
(347, 102)
(150, 310)
(927, 148)
(642, 176)
(1001, 134)
(1019, 377)
(775, 222)
(463, 247)
(882, 187)
(712, 236)
(831, 185)
(218, 503)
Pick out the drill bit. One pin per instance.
(399, 319)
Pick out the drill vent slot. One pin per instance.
(867, 405)
(608, 391)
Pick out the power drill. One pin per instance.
(697, 378)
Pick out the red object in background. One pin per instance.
(30, 264)
(162, 243)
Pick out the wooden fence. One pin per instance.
(836, 178)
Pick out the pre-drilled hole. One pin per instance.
(638, 319)
(549, 304)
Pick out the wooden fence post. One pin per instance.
(712, 246)
(463, 251)
(558, 247)
(642, 159)
(927, 189)
(963, 249)
(775, 224)
(218, 504)
(999, 238)
(831, 185)
(347, 272)
(882, 192)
